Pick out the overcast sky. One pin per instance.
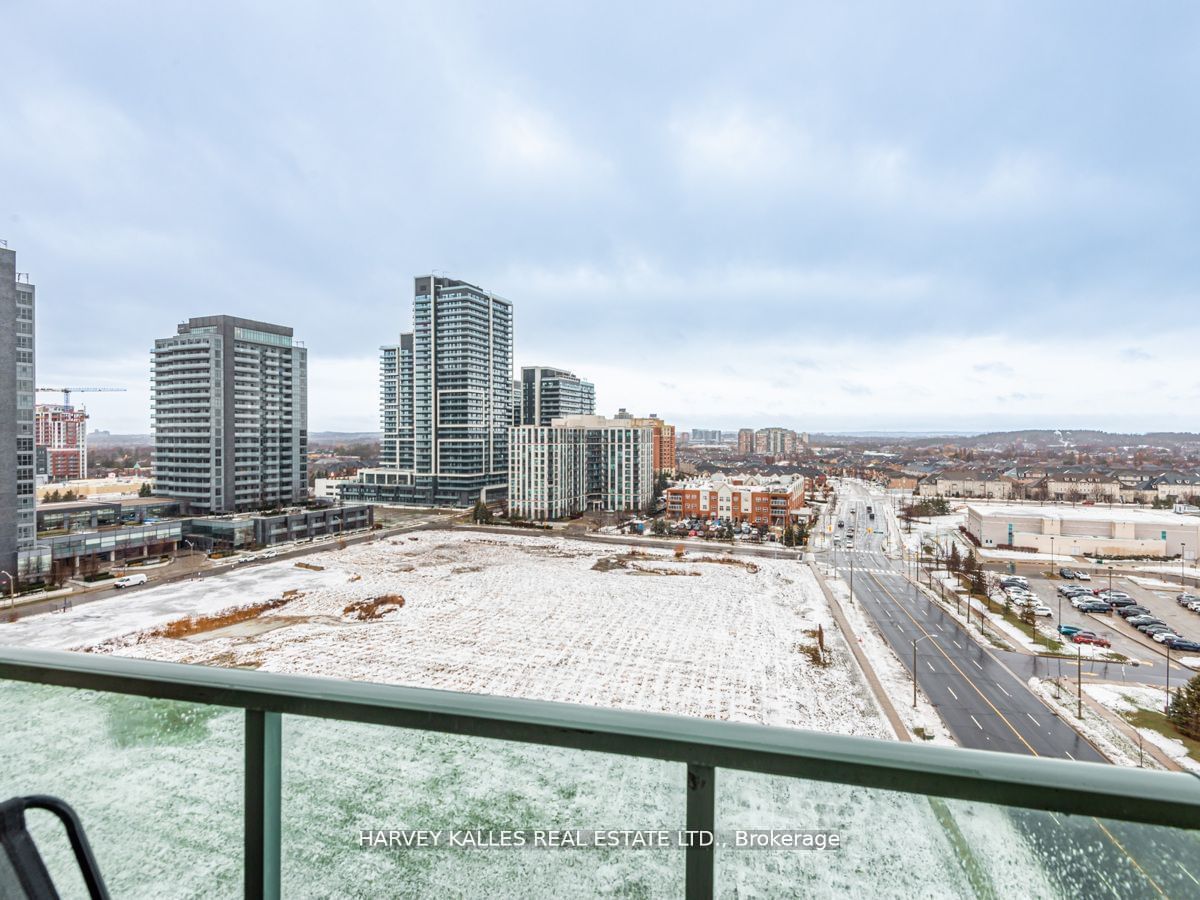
(830, 216)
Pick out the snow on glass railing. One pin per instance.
(371, 811)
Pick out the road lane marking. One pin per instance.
(1068, 752)
(951, 690)
(976, 721)
(1033, 720)
(1186, 872)
(1006, 693)
(977, 665)
(1131, 859)
(938, 627)
(942, 650)
(931, 668)
(956, 643)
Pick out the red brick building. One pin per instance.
(753, 500)
(62, 432)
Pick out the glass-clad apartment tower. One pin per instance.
(462, 388)
(548, 394)
(446, 402)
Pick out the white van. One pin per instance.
(130, 581)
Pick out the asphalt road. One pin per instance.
(986, 706)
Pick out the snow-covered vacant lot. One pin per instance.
(554, 619)
(538, 617)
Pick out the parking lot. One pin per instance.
(1125, 638)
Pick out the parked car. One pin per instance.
(1185, 599)
(1120, 602)
(1128, 612)
(1163, 636)
(1151, 627)
(1065, 573)
(1178, 643)
(1088, 637)
(130, 581)
(1068, 630)
(1194, 607)
(1040, 610)
(1083, 576)
(1095, 606)
(1135, 621)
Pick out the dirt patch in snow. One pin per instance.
(374, 607)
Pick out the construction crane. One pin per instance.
(66, 392)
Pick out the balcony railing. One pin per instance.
(699, 746)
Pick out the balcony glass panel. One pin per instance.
(157, 784)
(342, 778)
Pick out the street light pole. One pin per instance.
(914, 643)
(1182, 584)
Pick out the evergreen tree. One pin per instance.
(1184, 711)
(954, 563)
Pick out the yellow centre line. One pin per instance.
(1128, 854)
(957, 669)
(1003, 719)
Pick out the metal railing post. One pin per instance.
(701, 816)
(262, 804)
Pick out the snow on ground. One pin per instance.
(537, 617)
(1128, 698)
(1154, 583)
(556, 619)
(1167, 569)
(1106, 737)
(1057, 558)
(895, 678)
(127, 613)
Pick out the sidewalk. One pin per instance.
(885, 702)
